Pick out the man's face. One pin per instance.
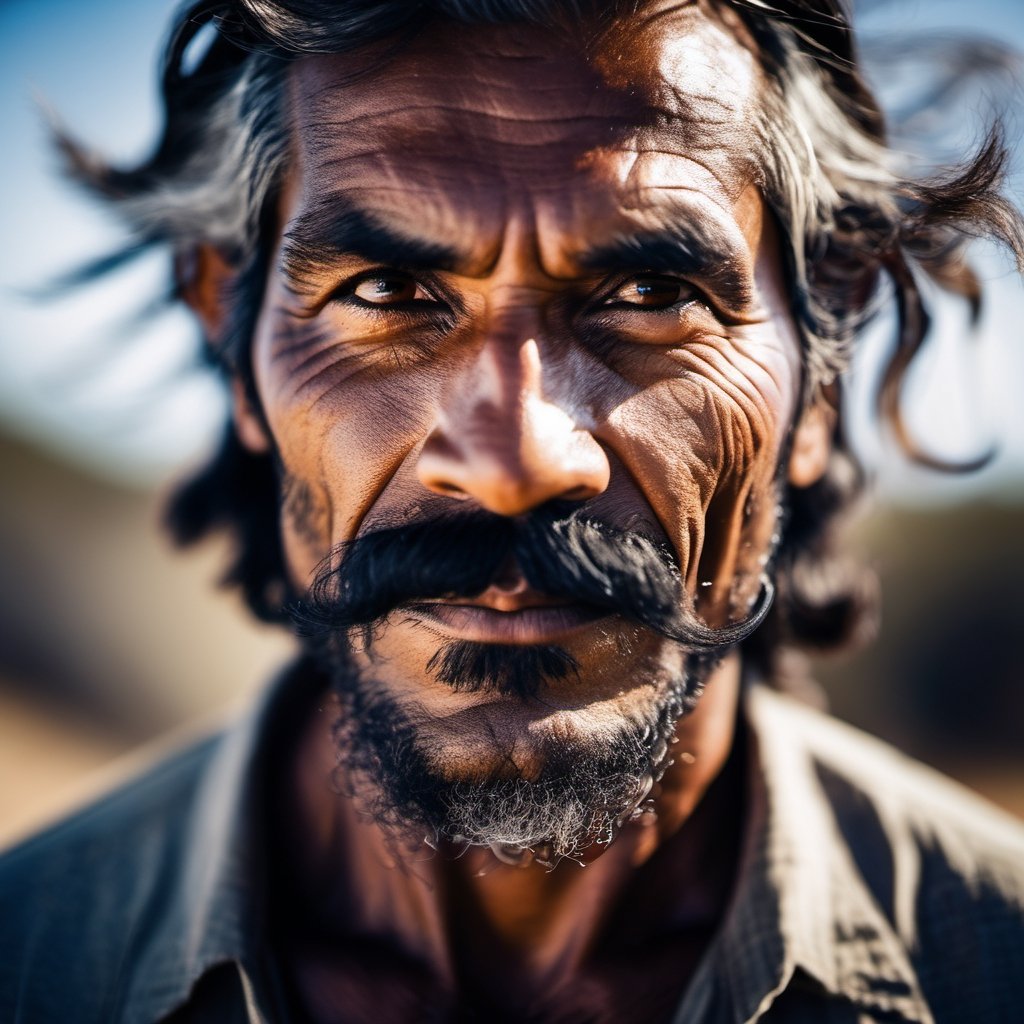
(508, 276)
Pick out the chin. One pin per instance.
(528, 775)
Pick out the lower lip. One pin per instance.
(540, 625)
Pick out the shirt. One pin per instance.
(870, 888)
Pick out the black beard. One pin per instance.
(585, 793)
(587, 789)
(512, 670)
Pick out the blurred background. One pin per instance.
(108, 638)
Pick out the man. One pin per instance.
(532, 314)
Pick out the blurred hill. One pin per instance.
(108, 636)
(944, 680)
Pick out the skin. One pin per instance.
(514, 368)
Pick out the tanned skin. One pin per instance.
(500, 348)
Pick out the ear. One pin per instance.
(812, 443)
(249, 423)
(203, 276)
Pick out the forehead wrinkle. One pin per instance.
(407, 123)
(701, 74)
(462, 76)
(498, 145)
(473, 97)
(649, 170)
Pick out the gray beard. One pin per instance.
(586, 792)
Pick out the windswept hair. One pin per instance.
(850, 217)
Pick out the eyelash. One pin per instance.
(688, 294)
(346, 293)
(435, 313)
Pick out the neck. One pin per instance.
(668, 870)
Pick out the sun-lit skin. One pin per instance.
(532, 361)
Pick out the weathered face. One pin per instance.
(509, 275)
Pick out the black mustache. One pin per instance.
(564, 554)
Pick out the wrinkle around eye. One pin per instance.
(670, 327)
(307, 350)
(311, 385)
(737, 388)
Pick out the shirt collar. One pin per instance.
(214, 897)
(800, 904)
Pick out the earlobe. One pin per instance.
(203, 276)
(812, 444)
(249, 424)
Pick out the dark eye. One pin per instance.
(649, 292)
(389, 288)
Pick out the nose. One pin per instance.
(500, 442)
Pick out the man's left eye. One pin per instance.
(650, 292)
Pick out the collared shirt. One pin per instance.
(870, 889)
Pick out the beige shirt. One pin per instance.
(870, 889)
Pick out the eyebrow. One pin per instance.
(334, 228)
(697, 251)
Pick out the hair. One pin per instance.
(850, 218)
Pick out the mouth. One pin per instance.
(503, 616)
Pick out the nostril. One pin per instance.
(579, 493)
(449, 489)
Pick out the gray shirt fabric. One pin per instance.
(870, 889)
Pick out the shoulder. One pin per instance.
(945, 866)
(861, 777)
(75, 899)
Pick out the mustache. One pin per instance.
(562, 552)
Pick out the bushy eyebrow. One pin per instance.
(700, 252)
(333, 228)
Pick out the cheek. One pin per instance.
(704, 445)
(342, 431)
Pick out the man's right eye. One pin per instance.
(389, 288)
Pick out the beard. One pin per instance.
(588, 788)
(393, 756)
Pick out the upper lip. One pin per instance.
(509, 611)
(504, 599)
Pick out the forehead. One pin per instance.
(468, 127)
